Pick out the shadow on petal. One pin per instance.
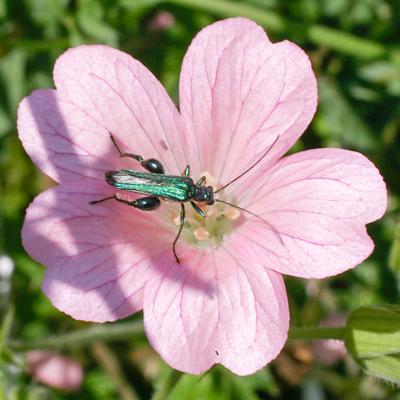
(70, 150)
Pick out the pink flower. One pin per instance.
(162, 21)
(54, 370)
(226, 302)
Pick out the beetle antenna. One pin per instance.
(254, 215)
(115, 143)
(250, 168)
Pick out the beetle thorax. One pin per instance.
(203, 194)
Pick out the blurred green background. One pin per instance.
(355, 51)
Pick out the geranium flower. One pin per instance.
(54, 369)
(239, 93)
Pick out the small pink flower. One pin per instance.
(226, 302)
(54, 370)
(161, 21)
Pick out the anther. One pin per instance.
(231, 213)
(201, 233)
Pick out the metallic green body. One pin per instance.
(171, 187)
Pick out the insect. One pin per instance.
(176, 188)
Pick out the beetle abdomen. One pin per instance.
(175, 188)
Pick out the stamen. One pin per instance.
(232, 213)
(210, 211)
(201, 233)
(177, 219)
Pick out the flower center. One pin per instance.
(210, 231)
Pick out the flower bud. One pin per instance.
(373, 338)
(54, 370)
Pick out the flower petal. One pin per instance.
(126, 99)
(239, 92)
(98, 256)
(316, 204)
(62, 140)
(214, 310)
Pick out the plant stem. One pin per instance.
(318, 333)
(110, 363)
(317, 34)
(125, 330)
(165, 389)
(5, 327)
(81, 337)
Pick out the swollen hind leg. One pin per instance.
(151, 164)
(149, 203)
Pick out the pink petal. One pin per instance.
(62, 140)
(239, 92)
(316, 203)
(98, 256)
(214, 310)
(125, 98)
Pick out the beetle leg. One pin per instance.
(149, 203)
(179, 232)
(101, 200)
(151, 164)
(143, 203)
(198, 209)
(201, 181)
(121, 154)
(186, 172)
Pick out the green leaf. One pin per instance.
(247, 387)
(98, 384)
(47, 14)
(394, 255)
(373, 339)
(338, 120)
(138, 4)
(3, 9)
(380, 72)
(384, 73)
(12, 74)
(334, 8)
(90, 18)
(192, 387)
(6, 124)
(5, 327)
(44, 12)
